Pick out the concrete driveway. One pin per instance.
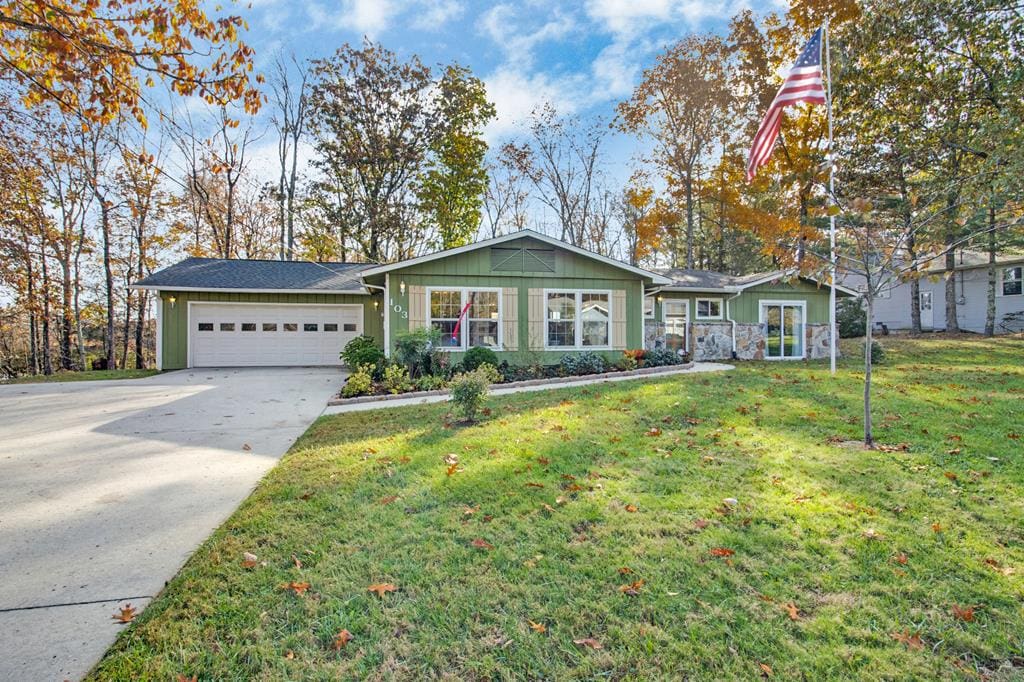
(107, 487)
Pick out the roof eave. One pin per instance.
(234, 290)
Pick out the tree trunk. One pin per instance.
(47, 360)
(990, 311)
(869, 298)
(689, 221)
(66, 317)
(915, 287)
(140, 330)
(952, 325)
(108, 274)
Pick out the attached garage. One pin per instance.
(254, 334)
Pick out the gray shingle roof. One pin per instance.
(267, 275)
(706, 279)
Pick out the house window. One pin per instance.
(330, 327)
(310, 327)
(270, 326)
(206, 326)
(709, 308)
(648, 307)
(248, 326)
(466, 317)
(578, 319)
(291, 326)
(1012, 282)
(227, 326)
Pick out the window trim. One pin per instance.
(686, 329)
(578, 321)
(795, 303)
(1003, 281)
(696, 308)
(464, 328)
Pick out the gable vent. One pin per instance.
(522, 260)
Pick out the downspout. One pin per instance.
(728, 316)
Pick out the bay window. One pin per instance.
(465, 317)
(577, 319)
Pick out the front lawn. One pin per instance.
(92, 375)
(707, 526)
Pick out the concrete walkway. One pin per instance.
(424, 400)
(107, 487)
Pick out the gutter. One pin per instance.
(728, 316)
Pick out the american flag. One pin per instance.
(803, 84)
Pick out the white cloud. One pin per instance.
(516, 93)
(512, 32)
(626, 16)
(432, 15)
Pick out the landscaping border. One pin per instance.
(644, 371)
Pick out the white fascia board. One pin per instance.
(151, 287)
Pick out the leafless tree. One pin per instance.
(288, 86)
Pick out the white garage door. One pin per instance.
(243, 335)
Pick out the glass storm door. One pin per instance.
(676, 319)
(784, 330)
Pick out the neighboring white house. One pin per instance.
(892, 305)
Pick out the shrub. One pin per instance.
(627, 363)
(661, 357)
(525, 372)
(577, 364)
(470, 388)
(419, 351)
(429, 382)
(877, 352)
(635, 353)
(851, 318)
(478, 355)
(362, 351)
(396, 379)
(359, 382)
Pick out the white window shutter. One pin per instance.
(619, 320)
(510, 318)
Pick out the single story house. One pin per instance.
(530, 297)
(892, 305)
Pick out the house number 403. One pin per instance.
(398, 309)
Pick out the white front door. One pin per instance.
(272, 334)
(927, 313)
(676, 314)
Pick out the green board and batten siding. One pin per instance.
(548, 268)
(745, 308)
(175, 318)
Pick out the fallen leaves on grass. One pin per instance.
(588, 642)
(249, 560)
(537, 627)
(182, 678)
(901, 559)
(792, 611)
(632, 589)
(531, 484)
(766, 669)
(911, 641)
(701, 524)
(125, 614)
(384, 501)
(721, 551)
(964, 613)
(653, 431)
(298, 588)
(452, 468)
(380, 589)
(480, 543)
(998, 567)
(341, 639)
(937, 527)
(295, 560)
(625, 570)
(632, 508)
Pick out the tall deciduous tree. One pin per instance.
(291, 109)
(451, 189)
(682, 103)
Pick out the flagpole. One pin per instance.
(831, 213)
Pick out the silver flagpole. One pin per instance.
(831, 216)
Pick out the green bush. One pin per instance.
(877, 352)
(419, 350)
(478, 355)
(578, 364)
(662, 357)
(429, 382)
(360, 382)
(851, 318)
(396, 379)
(470, 388)
(362, 350)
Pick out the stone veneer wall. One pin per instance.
(654, 334)
(817, 341)
(713, 341)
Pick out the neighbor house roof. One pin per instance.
(265, 276)
(653, 276)
(967, 260)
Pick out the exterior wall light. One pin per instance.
(172, 300)
(401, 287)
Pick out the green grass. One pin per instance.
(94, 375)
(822, 526)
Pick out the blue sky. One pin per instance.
(582, 56)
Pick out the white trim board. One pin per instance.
(802, 304)
(578, 319)
(464, 328)
(214, 290)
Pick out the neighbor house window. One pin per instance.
(1012, 282)
(466, 317)
(578, 319)
(709, 308)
